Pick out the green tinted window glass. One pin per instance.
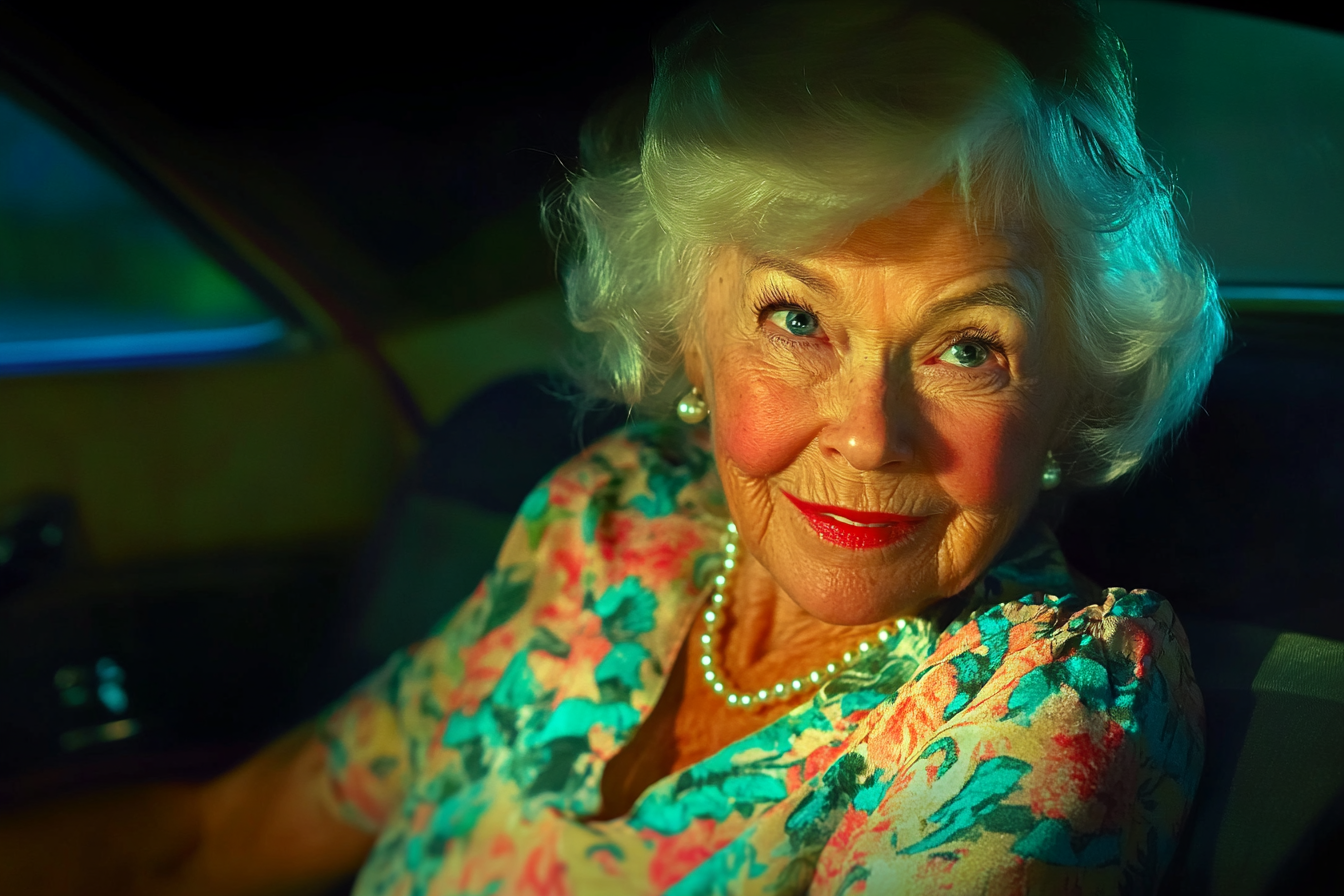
(1249, 113)
(92, 275)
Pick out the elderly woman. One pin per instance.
(902, 267)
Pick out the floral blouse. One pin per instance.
(1021, 739)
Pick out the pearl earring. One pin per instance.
(1053, 474)
(692, 408)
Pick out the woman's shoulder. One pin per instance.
(1060, 733)
(644, 470)
(635, 519)
(1135, 626)
(1125, 635)
(1056, 664)
(641, 449)
(1032, 610)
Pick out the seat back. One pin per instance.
(443, 525)
(1239, 526)
(1242, 519)
(1268, 814)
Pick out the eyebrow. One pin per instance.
(800, 272)
(995, 295)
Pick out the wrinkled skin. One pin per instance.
(913, 370)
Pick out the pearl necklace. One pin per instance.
(714, 676)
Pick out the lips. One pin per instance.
(855, 529)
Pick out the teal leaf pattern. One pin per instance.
(960, 817)
(1016, 722)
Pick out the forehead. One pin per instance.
(937, 226)
(935, 246)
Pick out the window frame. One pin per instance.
(90, 136)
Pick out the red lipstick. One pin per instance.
(855, 529)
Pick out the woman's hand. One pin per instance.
(267, 827)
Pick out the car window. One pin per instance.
(1249, 113)
(92, 275)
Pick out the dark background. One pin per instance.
(415, 135)
(407, 133)
(410, 128)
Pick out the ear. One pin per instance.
(719, 263)
(693, 359)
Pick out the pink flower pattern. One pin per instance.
(1023, 737)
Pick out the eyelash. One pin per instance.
(980, 334)
(775, 299)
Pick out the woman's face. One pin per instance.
(881, 411)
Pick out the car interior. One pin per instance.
(269, 430)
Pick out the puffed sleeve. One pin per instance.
(1046, 747)
(379, 735)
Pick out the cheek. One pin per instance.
(761, 424)
(986, 456)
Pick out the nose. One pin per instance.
(873, 426)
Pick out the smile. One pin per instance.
(855, 529)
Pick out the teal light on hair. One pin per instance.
(782, 127)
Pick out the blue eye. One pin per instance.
(796, 321)
(966, 354)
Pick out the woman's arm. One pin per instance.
(267, 827)
(287, 820)
(1042, 752)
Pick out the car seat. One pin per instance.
(1238, 524)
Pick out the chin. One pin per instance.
(842, 586)
(859, 600)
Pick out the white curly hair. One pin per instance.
(782, 127)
